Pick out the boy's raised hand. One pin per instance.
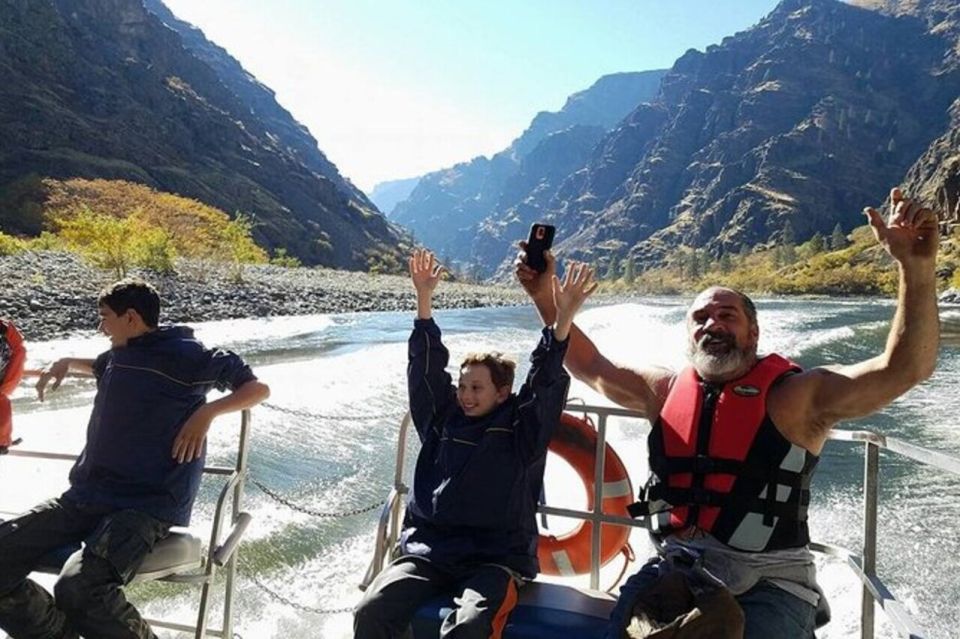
(570, 293)
(425, 273)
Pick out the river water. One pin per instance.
(344, 374)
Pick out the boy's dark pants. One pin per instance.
(88, 596)
(484, 596)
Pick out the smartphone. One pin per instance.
(540, 240)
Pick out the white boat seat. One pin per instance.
(177, 553)
(543, 611)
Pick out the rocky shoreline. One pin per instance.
(50, 294)
(950, 296)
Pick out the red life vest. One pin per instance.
(718, 463)
(12, 356)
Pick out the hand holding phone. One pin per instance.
(540, 240)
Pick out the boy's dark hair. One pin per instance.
(501, 369)
(132, 293)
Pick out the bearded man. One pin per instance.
(734, 443)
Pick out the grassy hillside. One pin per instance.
(855, 266)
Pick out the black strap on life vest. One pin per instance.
(702, 464)
(794, 509)
(711, 393)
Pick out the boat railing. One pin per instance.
(863, 565)
(222, 549)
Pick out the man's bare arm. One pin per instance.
(835, 393)
(642, 390)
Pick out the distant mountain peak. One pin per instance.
(458, 210)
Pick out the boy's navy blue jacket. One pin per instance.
(478, 479)
(146, 391)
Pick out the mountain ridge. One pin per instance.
(104, 89)
(458, 211)
(780, 131)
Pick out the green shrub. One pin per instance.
(154, 248)
(236, 245)
(46, 241)
(280, 258)
(857, 269)
(10, 244)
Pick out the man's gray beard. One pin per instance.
(719, 366)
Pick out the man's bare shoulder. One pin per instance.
(661, 379)
(658, 381)
(643, 389)
(790, 404)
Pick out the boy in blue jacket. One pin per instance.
(470, 527)
(138, 473)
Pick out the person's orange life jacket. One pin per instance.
(12, 357)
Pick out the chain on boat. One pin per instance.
(277, 497)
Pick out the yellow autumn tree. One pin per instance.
(104, 240)
(236, 245)
(158, 227)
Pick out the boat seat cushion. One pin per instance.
(176, 553)
(544, 610)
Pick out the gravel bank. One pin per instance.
(49, 294)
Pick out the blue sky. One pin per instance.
(395, 89)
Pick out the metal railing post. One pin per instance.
(398, 482)
(241, 466)
(598, 474)
(871, 483)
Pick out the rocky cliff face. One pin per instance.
(800, 121)
(102, 88)
(784, 129)
(259, 99)
(525, 195)
(464, 212)
(935, 176)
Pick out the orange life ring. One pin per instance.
(576, 443)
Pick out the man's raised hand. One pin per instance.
(911, 231)
(539, 286)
